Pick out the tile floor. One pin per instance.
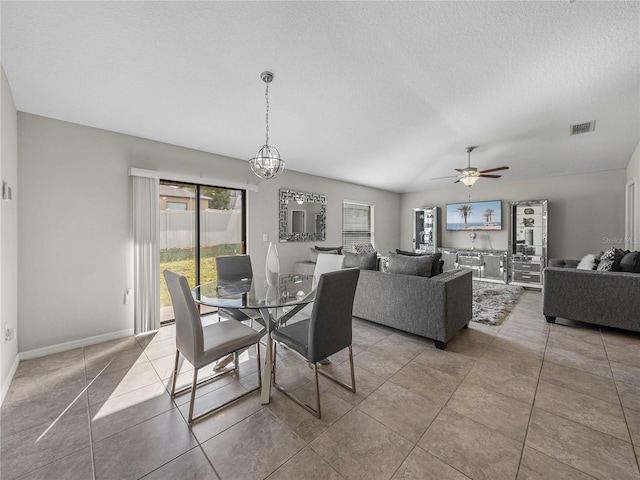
(525, 400)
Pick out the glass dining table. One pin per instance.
(277, 300)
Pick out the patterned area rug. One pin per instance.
(492, 302)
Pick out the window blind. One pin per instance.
(357, 224)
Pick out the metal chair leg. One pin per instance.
(315, 374)
(352, 387)
(175, 374)
(273, 361)
(259, 366)
(317, 412)
(193, 394)
(192, 419)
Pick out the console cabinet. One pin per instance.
(489, 265)
(528, 242)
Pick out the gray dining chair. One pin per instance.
(234, 268)
(327, 331)
(203, 345)
(324, 264)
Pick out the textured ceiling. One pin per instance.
(381, 94)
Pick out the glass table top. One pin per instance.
(288, 289)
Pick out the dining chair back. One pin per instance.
(328, 331)
(328, 263)
(204, 345)
(234, 268)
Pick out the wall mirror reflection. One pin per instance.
(302, 216)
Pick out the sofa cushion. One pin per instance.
(437, 265)
(630, 262)
(314, 252)
(410, 265)
(363, 261)
(588, 262)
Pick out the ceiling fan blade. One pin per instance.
(494, 169)
(489, 176)
(450, 176)
(461, 170)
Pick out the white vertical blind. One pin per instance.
(357, 224)
(146, 253)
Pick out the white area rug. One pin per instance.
(492, 302)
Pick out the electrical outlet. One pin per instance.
(265, 237)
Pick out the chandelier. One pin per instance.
(267, 163)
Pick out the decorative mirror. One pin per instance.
(302, 216)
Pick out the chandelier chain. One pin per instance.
(266, 95)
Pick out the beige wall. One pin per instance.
(586, 212)
(8, 234)
(632, 231)
(74, 222)
(74, 219)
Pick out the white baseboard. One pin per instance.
(83, 342)
(7, 382)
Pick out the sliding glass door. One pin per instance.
(197, 224)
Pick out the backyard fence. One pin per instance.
(217, 227)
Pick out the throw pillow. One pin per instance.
(437, 265)
(364, 261)
(314, 253)
(329, 249)
(409, 254)
(605, 265)
(616, 255)
(588, 262)
(630, 262)
(410, 265)
(363, 248)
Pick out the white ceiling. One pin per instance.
(385, 94)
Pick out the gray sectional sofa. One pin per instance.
(436, 307)
(603, 298)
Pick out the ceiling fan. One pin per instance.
(470, 175)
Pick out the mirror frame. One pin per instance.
(292, 195)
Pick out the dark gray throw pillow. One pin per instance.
(630, 262)
(329, 249)
(409, 254)
(436, 266)
(410, 265)
(364, 261)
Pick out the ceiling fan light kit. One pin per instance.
(470, 175)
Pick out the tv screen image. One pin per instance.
(475, 215)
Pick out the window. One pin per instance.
(357, 224)
(176, 205)
(197, 224)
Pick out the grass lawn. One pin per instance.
(182, 262)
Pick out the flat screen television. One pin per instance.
(475, 215)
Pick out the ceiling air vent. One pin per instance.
(582, 128)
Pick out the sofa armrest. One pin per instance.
(592, 296)
(304, 268)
